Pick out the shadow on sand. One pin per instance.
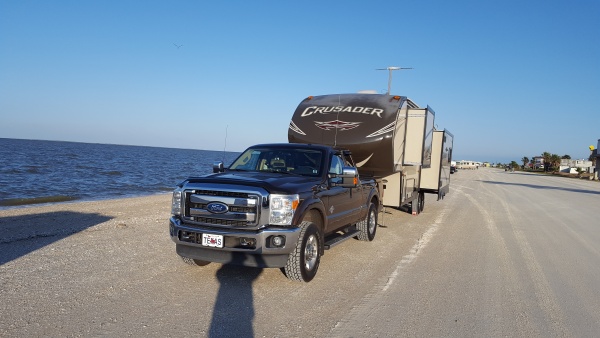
(233, 313)
(544, 187)
(20, 235)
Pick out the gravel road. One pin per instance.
(504, 254)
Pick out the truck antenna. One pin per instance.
(390, 69)
(225, 146)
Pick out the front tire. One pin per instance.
(194, 262)
(368, 227)
(303, 262)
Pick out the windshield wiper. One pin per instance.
(280, 172)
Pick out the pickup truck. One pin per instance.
(275, 206)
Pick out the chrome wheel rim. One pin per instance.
(372, 222)
(311, 252)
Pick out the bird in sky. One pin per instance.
(176, 45)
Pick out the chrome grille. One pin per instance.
(243, 209)
(216, 221)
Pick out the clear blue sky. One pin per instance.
(507, 78)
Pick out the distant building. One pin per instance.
(537, 162)
(572, 166)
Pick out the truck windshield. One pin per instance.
(306, 162)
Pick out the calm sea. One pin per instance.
(33, 172)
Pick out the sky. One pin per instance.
(510, 79)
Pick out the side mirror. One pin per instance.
(218, 167)
(349, 178)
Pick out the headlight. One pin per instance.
(282, 208)
(176, 202)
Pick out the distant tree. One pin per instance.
(566, 157)
(525, 160)
(555, 161)
(546, 156)
(514, 165)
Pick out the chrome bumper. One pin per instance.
(262, 254)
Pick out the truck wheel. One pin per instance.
(303, 262)
(421, 202)
(195, 262)
(368, 226)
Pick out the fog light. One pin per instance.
(278, 241)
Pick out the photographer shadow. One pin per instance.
(233, 313)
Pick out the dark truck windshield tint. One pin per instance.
(299, 161)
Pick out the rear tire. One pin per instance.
(368, 226)
(303, 262)
(422, 202)
(194, 262)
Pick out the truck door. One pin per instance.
(339, 200)
(358, 196)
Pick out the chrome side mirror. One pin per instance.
(218, 167)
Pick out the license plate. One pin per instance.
(215, 241)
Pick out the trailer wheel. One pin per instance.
(194, 262)
(368, 227)
(303, 262)
(421, 202)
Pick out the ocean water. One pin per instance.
(33, 171)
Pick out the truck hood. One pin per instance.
(274, 183)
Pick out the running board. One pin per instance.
(340, 238)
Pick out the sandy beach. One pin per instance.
(484, 261)
(72, 260)
(110, 268)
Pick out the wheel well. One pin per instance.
(315, 217)
(375, 200)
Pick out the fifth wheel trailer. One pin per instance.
(390, 138)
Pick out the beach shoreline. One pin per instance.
(24, 203)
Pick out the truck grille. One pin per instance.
(216, 221)
(240, 209)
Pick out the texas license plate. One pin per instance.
(215, 241)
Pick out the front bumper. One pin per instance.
(261, 254)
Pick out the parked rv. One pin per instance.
(283, 205)
(391, 139)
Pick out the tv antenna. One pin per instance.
(391, 69)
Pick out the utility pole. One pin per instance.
(390, 69)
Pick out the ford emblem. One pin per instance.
(217, 207)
